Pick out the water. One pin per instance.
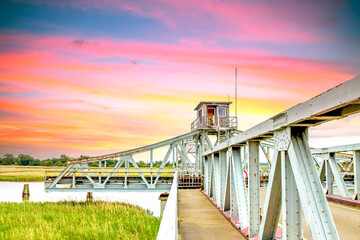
(12, 192)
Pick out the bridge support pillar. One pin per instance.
(163, 198)
(89, 197)
(300, 187)
(26, 192)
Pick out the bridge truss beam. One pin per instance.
(294, 181)
(78, 176)
(331, 167)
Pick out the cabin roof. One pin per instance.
(211, 103)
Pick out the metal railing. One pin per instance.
(189, 179)
(97, 176)
(169, 223)
(94, 172)
(207, 122)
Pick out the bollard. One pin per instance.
(89, 197)
(26, 192)
(163, 198)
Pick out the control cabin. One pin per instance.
(214, 115)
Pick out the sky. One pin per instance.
(94, 77)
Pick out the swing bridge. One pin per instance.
(224, 163)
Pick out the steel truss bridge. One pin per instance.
(295, 181)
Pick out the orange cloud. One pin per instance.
(58, 95)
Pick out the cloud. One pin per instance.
(65, 101)
(289, 22)
(78, 43)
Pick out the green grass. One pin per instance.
(22, 178)
(76, 220)
(25, 173)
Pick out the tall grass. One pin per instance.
(22, 178)
(76, 220)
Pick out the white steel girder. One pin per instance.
(329, 178)
(222, 178)
(322, 170)
(272, 203)
(313, 201)
(225, 204)
(208, 163)
(216, 177)
(336, 103)
(332, 173)
(57, 179)
(291, 207)
(357, 174)
(206, 174)
(254, 188)
(238, 188)
(141, 173)
(163, 164)
(212, 191)
(294, 183)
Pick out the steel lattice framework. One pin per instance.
(294, 185)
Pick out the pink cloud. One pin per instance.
(69, 102)
(62, 55)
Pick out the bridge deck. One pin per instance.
(199, 219)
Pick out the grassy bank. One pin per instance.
(76, 220)
(25, 173)
(37, 173)
(21, 178)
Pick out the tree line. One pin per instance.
(27, 160)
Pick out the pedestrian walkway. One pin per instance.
(200, 219)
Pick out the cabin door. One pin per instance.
(211, 116)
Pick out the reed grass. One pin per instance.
(76, 220)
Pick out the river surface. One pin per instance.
(12, 192)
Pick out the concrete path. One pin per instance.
(199, 219)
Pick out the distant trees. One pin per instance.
(47, 163)
(36, 162)
(9, 159)
(27, 160)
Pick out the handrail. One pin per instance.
(169, 223)
(207, 122)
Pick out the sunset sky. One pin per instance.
(93, 77)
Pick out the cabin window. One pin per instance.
(222, 112)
